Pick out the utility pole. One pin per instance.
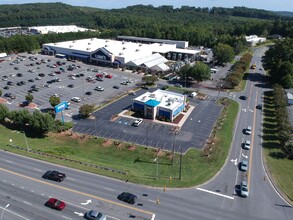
(173, 147)
(180, 165)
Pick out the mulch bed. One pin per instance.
(3, 100)
(178, 119)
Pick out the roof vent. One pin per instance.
(137, 50)
(140, 45)
(89, 43)
(73, 41)
(123, 42)
(120, 54)
(88, 48)
(92, 39)
(107, 41)
(124, 48)
(106, 45)
(70, 46)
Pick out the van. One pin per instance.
(193, 94)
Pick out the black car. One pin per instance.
(7, 94)
(81, 74)
(259, 107)
(88, 93)
(31, 80)
(19, 74)
(22, 82)
(41, 75)
(243, 97)
(116, 87)
(6, 87)
(70, 85)
(10, 83)
(54, 175)
(127, 197)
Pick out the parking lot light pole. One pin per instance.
(25, 140)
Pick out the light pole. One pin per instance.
(157, 160)
(4, 210)
(24, 139)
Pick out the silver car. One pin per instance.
(246, 145)
(244, 189)
(94, 215)
(244, 165)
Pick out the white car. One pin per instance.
(137, 122)
(56, 95)
(99, 88)
(247, 130)
(246, 145)
(75, 99)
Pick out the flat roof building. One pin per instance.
(252, 40)
(56, 29)
(160, 104)
(120, 53)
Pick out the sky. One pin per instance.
(272, 5)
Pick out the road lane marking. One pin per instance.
(215, 193)
(9, 161)
(7, 210)
(68, 178)
(27, 202)
(113, 190)
(37, 169)
(78, 192)
(65, 217)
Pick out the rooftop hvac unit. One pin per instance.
(88, 48)
(89, 43)
(107, 41)
(123, 42)
(140, 45)
(70, 46)
(73, 41)
(55, 44)
(92, 39)
(136, 50)
(124, 48)
(120, 54)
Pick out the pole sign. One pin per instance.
(61, 107)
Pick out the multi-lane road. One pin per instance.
(26, 192)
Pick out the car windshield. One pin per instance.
(57, 203)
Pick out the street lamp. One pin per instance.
(4, 210)
(24, 139)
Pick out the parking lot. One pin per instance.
(19, 75)
(193, 134)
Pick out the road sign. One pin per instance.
(61, 107)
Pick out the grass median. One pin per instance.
(143, 165)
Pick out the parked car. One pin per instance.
(94, 215)
(244, 189)
(124, 83)
(88, 93)
(116, 87)
(37, 78)
(244, 165)
(137, 122)
(6, 87)
(100, 79)
(10, 83)
(127, 197)
(178, 85)
(31, 80)
(259, 107)
(41, 75)
(99, 88)
(243, 97)
(54, 175)
(19, 74)
(75, 99)
(55, 204)
(51, 74)
(109, 76)
(70, 85)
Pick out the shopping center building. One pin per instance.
(131, 54)
(160, 104)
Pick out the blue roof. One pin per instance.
(152, 103)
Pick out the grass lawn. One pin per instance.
(280, 168)
(139, 162)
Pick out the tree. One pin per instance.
(29, 97)
(200, 71)
(0, 92)
(223, 53)
(40, 123)
(54, 100)
(86, 110)
(150, 80)
(4, 112)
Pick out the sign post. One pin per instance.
(60, 107)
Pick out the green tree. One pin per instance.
(150, 80)
(86, 110)
(4, 112)
(29, 97)
(200, 71)
(0, 92)
(40, 123)
(223, 53)
(54, 100)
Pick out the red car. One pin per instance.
(109, 76)
(100, 75)
(55, 204)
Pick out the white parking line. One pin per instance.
(27, 202)
(37, 169)
(215, 193)
(7, 210)
(69, 178)
(113, 190)
(65, 217)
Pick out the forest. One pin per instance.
(199, 26)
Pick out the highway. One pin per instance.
(26, 192)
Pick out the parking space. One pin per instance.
(20, 74)
(193, 133)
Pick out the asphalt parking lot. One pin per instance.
(30, 71)
(193, 134)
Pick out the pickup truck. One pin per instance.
(54, 175)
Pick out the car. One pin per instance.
(55, 204)
(259, 107)
(137, 122)
(88, 93)
(70, 86)
(94, 215)
(51, 74)
(46, 85)
(116, 87)
(41, 74)
(7, 94)
(178, 85)
(145, 87)
(127, 197)
(99, 88)
(54, 175)
(6, 87)
(22, 82)
(246, 145)
(12, 75)
(100, 79)
(243, 97)
(58, 72)
(19, 74)
(124, 83)
(16, 68)
(244, 189)
(244, 165)
(37, 78)
(109, 76)
(247, 130)
(19, 84)
(25, 103)
(129, 81)
(81, 74)
(9, 83)
(31, 80)
(72, 77)
(4, 78)
(75, 99)
(56, 95)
